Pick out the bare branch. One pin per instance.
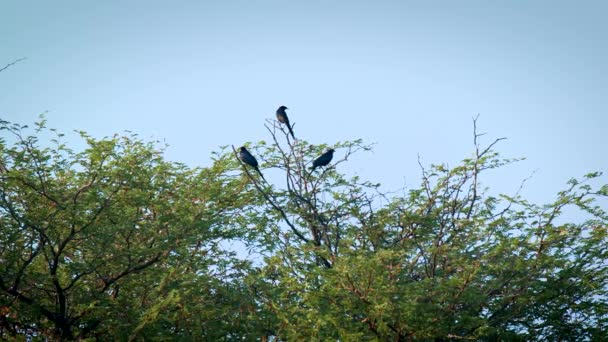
(270, 200)
(13, 63)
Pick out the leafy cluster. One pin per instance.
(116, 242)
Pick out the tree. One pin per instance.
(115, 240)
(446, 261)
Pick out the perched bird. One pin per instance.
(249, 159)
(324, 159)
(282, 117)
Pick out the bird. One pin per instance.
(249, 159)
(282, 117)
(323, 159)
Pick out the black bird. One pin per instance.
(249, 159)
(324, 159)
(282, 117)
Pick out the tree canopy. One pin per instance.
(115, 242)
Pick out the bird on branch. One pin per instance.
(282, 117)
(249, 159)
(324, 159)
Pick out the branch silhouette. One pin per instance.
(13, 63)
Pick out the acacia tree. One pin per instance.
(115, 241)
(446, 261)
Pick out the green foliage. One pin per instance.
(445, 261)
(114, 242)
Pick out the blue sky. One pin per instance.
(407, 75)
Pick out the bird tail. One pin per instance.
(260, 172)
(291, 131)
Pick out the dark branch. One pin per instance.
(13, 63)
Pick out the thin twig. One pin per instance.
(13, 63)
(270, 200)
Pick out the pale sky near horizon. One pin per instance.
(407, 75)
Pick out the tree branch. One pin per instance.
(13, 63)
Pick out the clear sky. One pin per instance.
(407, 75)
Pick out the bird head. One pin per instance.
(281, 109)
(331, 150)
(242, 149)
